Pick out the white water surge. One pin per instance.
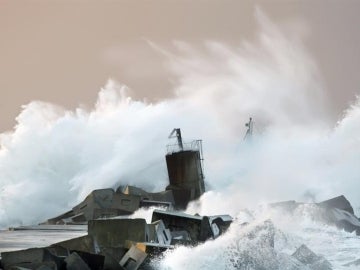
(55, 157)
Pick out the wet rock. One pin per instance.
(310, 259)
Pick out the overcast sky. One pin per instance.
(64, 51)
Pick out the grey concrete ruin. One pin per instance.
(186, 183)
(336, 211)
(307, 257)
(121, 243)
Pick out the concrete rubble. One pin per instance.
(121, 243)
(335, 212)
(307, 257)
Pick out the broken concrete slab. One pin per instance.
(84, 243)
(195, 227)
(158, 204)
(75, 262)
(101, 203)
(162, 196)
(178, 221)
(343, 220)
(339, 202)
(29, 257)
(163, 235)
(94, 261)
(106, 203)
(133, 258)
(112, 258)
(113, 253)
(336, 211)
(114, 232)
(151, 249)
(311, 259)
(216, 225)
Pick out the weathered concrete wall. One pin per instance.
(114, 232)
(185, 176)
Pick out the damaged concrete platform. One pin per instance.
(36, 236)
(119, 243)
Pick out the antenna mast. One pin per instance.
(249, 131)
(177, 133)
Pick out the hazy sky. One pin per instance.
(64, 51)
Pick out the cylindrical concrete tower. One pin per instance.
(185, 173)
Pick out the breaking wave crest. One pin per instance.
(247, 246)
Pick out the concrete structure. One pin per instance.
(121, 243)
(106, 203)
(190, 229)
(114, 232)
(185, 171)
(133, 258)
(336, 211)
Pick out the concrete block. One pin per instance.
(163, 235)
(84, 243)
(310, 259)
(75, 262)
(114, 232)
(94, 261)
(339, 202)
(133, 258)
(178, 221)
(112, 258)
(29, 257)
(46, 267)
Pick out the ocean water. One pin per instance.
(54, 157)
(234, 250)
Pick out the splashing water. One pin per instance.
(55, 157)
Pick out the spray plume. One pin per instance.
(55, 157)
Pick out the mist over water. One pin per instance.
(55, 157)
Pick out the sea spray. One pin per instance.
(54, 157)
